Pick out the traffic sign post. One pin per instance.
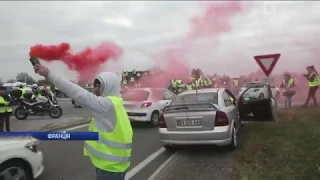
(267, 62)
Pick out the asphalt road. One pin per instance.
(65, 160)
(69, 110)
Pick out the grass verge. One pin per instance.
(287, 150)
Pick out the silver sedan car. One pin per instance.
(209, 116)
(206, 116)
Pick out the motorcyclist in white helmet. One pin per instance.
(34, 87)
(38, 94)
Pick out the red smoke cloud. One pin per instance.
(215, 20)
(86, 63)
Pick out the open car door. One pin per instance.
(257, 109)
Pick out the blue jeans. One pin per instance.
(106, 175)
(287, 102)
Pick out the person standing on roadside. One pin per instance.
(314, 82)
(5, 110)
(111, 154)
(288, 88)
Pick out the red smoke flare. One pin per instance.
(86, 63)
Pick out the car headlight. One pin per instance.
(33, 146)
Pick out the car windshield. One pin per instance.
(253, 84)
(136, 95)
(196, 98)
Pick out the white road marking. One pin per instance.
(144, 163)
(77, 127)
(139, 166)
(154, 175)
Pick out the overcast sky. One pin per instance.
(290, 28)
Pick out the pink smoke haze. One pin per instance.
(214, 21)
(224, 37)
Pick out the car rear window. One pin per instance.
(136, 95)
(196, 98)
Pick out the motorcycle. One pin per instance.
(46, 105)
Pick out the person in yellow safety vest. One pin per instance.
(176, 86)
(288, 89)
(199, 83)
(181, 86)
(111, 154)
(124, 82)
(189, 86)
(207, 82)
(23, 91)
(131, 80)
(314, 82)
(124, 74)
(202, 82)
(5, 110)
(37, 93)
(196, 83)
(236, 82)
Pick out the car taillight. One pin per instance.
(162, 122)
(146, 104)
(221, 119)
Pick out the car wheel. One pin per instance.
(20, 113)
(234, 140)
(261, 96)
(15, 170)
(154, 118)
(170, 148)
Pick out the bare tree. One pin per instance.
(25, 77)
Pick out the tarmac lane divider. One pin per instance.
(66, 126)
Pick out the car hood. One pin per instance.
(16, 142)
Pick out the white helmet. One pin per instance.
(41, 88)
(34, 86)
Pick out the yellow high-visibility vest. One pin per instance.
(6, 106)
(315, 82)
(290, 82)
(23, 91)
(112, 152)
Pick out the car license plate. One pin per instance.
(189, 122)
